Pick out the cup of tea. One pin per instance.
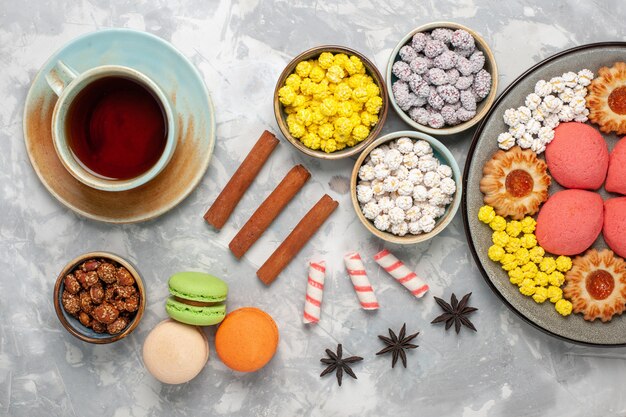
(112, 126)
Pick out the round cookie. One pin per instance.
(247, 339)
(569, 222)
(578, 156)
(616, 176)
(175, 353)
(614, 230)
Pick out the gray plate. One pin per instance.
(543, 316)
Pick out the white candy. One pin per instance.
(524, 114)
(381, 171)
(422, 148)
(578, 103)
(396, 215)
(405, 145)
(377, 156)
(415, 176)
(371, 210)
(393, 159)
(404, 202)
(390, 184)
(511, 118)
(447, 186)
(420, 193)
(405, 188)
(427, 223)
(571, 79)
(415, 228)
(551, 121)
(436, 197)
(543, 88)
(538, 146)
(431, 179)
(506, 141)
(444, 171)
(558, 84)
(427, 163)
(518, 131)
(532, 101)
(399, 229)
(584, 77)
(546, 134)
(401, 173)
(410, 160)
(378, 187)
(553, 104)
(366, 173)
(525, 141)
(567, 95)
(364, 193)
(566, 114)
(533, 126)
(413, 213)
(381, 222)
(428, 210)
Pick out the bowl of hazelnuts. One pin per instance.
(99, 297)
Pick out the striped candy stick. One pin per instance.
(401, 273)
(314, 292)
(358, 276)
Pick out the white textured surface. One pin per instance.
(507, 368)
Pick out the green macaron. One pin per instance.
(197, 298)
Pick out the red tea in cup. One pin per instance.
(116, 128)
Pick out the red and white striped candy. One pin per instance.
(314, 292)
(401, 273)
(364, 291)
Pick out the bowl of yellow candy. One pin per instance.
(330, 102)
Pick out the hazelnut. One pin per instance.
(85, 301)
(98, 327)
(92, 278)
(132, 303)
(109, 293)
(107, 272)
(90, 265)
(119, 304)
(118, 325)
(85, 319)
(105, 313)
(71, 284)
(97, 293)
(81, 277)
(124, 292)
(71, 302)
(124, 277)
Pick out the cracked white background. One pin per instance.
(240, 48)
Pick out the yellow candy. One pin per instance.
(540, 295)
(358, 64)
(318, 119)
(498, 223)
(356, 106)
(326, 59)
(368, 119)
(563, 307)
(508, 262)
(530, 270)
(373, 90)
(304, 116)
(343, 126)
(344, 109)
(293, 81)
(513, 228)
(303, 69)
(541, 279)
(326, 131)
(286, 95)
(500, 238)
(563, 263)
(486, 214)
(340, 59)
(513, 245)
(536, 254)
(343, 92)
(527, 287)
(547, 265)
(554, 293)
(522, 255)
(296, 129)
(317, 74)
(341, 146)
(311, 140)
(328, 106)
(350, 67)
(299, 101)
(528, 224)
(373, 105)
(335, 74)
(360, 132)
(528, 241)
(516, 276)
(355, 119)
(331, 146)
(360, 94)
(495, 252)
(556, 278)
(357, 80)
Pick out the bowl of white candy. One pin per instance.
(406, 187)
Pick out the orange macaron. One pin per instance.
(247, 339)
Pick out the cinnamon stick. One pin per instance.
(296, 240)
(269, 210)
(220, 211)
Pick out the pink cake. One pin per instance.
(616, 177)
(614, 229)
(569, 222)
(578, 156)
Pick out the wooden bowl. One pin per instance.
(72, 325)
(482, 107)
(281, 116)
(443, 155)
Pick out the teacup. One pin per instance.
(112, 126)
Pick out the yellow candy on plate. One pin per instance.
(486, 214)
(498, 223)
(563, 307)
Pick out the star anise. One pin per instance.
(336, 363)
(455, 312)
(397, 344)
